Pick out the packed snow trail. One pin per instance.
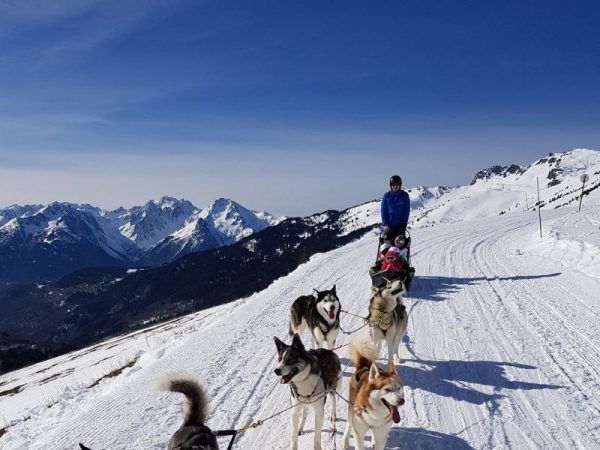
(501, 352)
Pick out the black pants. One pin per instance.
(393, 232)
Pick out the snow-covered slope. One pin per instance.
(501, 351)
(500, 190)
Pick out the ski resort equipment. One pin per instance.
(583, 179)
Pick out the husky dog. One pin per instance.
(388, 318)
(193, 434)
(374, 397)
(311, 374)
(321, 314)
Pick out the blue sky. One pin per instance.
(293, 107)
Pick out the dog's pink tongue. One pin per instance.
(282, 380)
(331, 315)
(394, 413)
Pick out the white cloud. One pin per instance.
(97, 22)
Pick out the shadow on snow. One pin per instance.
(402, 438)
(450, 378)
(420, 438)
(440, 288)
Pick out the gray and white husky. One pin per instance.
(193, 434)
(388, 318)
(320, 314)
(311, 375)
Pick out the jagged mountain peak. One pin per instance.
(16, 211)
(501, 171)
(551, 170)
(224, 205)
(56, 209)
(147, 225)
(153, 233)
(572, 163)
(232, 221)
(167, 202)
(224, 222)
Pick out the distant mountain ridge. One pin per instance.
(93, 303)
(47, 241)
(502, 189)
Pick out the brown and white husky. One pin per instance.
(375, 395)
(388, 318)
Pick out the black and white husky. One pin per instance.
(388, 318)
(193, 434)
(320, 314)
(311, 375)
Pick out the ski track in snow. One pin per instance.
(501, 352)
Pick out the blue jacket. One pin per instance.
(395, 208)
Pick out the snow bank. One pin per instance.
(572, 239)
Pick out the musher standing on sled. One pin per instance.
(395, 209)
(393, 253)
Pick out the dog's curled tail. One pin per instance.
(196, 405)
(363, 351)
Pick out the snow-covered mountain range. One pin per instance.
(38, 241)
(499, 351)
(91, 304)
(499, 190)
(45, 242)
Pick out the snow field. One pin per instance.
(501, 352)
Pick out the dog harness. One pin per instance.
(327, 328)
(395, 311)
(359, 409)
(379, 321)
(307, 398)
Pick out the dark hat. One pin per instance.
(395, 179)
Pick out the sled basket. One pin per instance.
(380, 279)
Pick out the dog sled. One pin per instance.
(393, 262)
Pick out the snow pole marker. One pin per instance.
(538, 204)
(583, 179)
